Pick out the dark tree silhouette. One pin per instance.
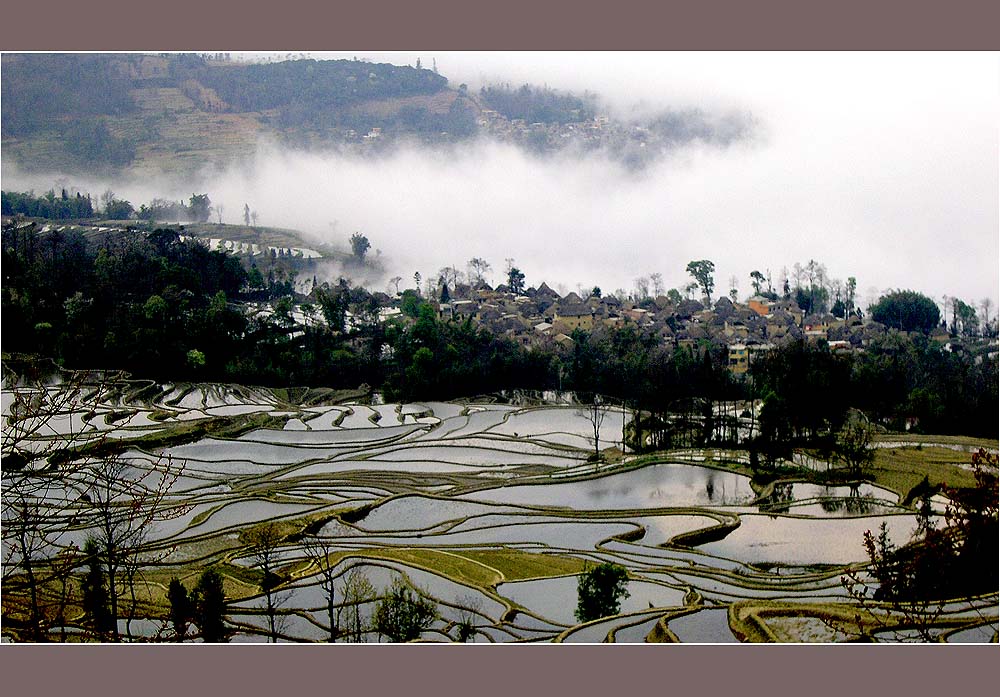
(600, 591)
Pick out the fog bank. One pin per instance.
(882, 167)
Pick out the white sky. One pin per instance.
(883, 166)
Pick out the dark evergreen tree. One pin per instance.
(96, 599)
(906, 310)
(600, 591)
(210, 607)
(181, 609)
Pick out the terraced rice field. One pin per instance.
(490, 510)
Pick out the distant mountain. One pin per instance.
(175, 113)
(78, 112)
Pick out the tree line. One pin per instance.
(49, 205)
(537, 104)
(152, 303)
(79, 206)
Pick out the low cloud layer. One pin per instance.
(880, 167)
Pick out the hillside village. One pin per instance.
(171, 114)
(541, 318)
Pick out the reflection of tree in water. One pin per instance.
(854, 503)
(778, 501)
(715, 491)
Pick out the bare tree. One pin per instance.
(641, 288)
(357, 591)
(798, 273)
(478, 268)
(450, 276)
(63, 566)
(469, 607)
(28, 535)
(656, 279)
(263, 542)
(595, 412)
(986, 304)
(108, 199)
(40, 422)
(394, 282)
(320, 553)
(53, 483)
(123, 499)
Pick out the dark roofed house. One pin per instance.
(688, 308)
(694, 331)
(637, 315)
(544, 291)
(489, 313)
(724, 307)
(789, 306)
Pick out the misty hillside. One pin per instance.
(72, 112)
(150, 114)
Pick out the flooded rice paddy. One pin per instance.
(491, 511)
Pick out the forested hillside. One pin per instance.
(79, 112)
(176, 113)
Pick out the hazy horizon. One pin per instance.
(880, 166)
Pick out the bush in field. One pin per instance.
(600, 591)
(917, 581)
(403, 614)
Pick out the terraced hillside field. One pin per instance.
(489, 510)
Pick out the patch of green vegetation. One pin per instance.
(931, 439)
(474, 567)
(203, 516)
(284, 529)
(242, 574)
(445, 563)
(901, 469)
(516, 565)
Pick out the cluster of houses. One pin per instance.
(540, 317)
(597, 132)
